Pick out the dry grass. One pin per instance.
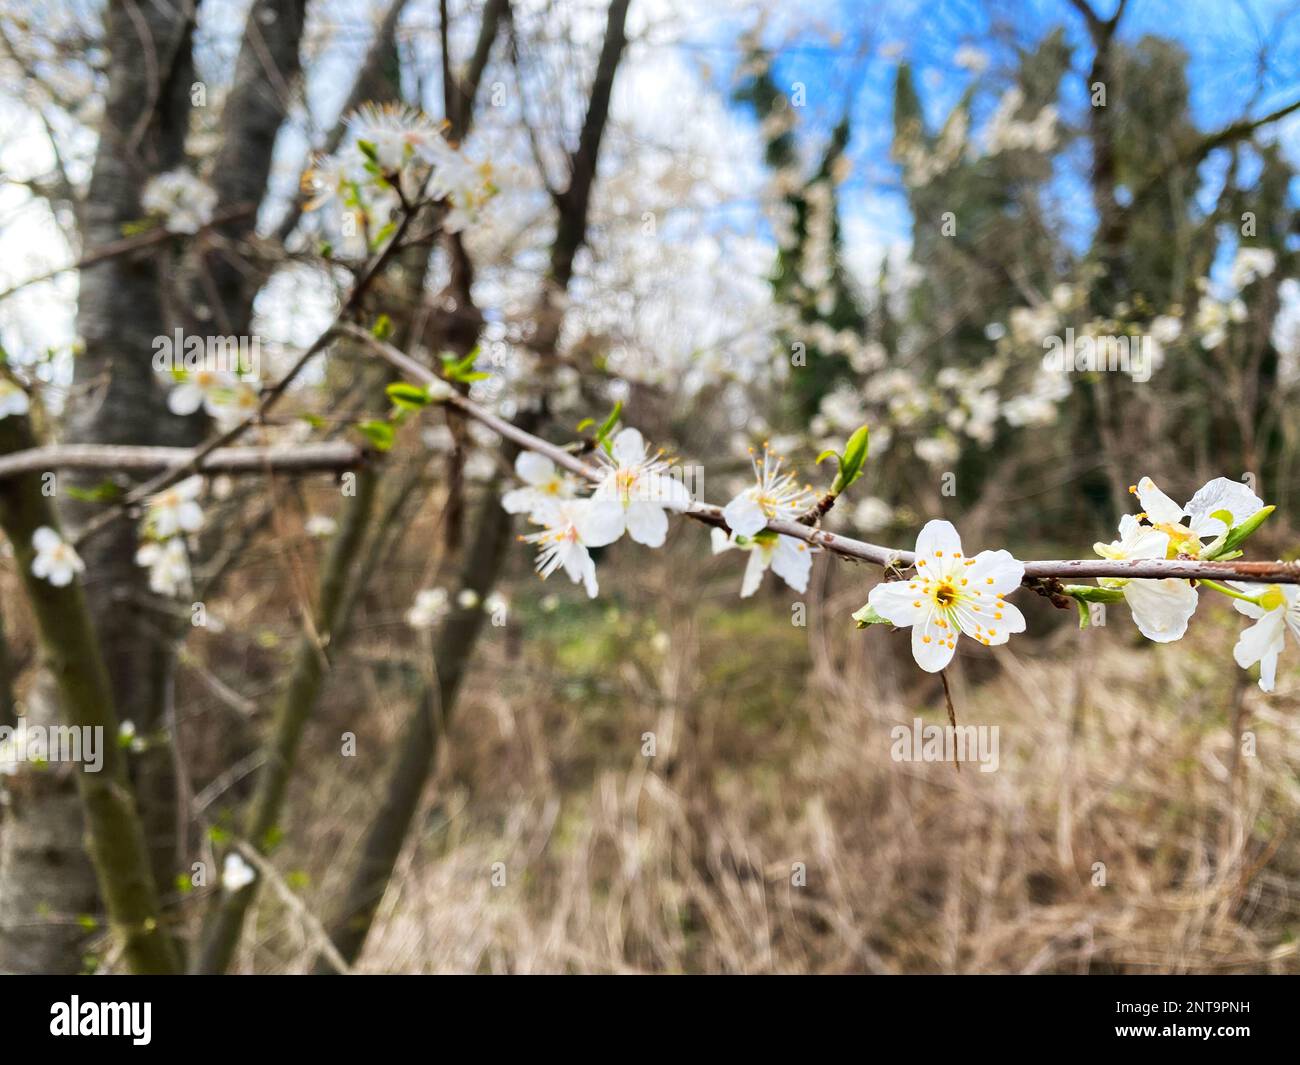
(774, 749)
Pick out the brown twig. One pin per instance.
(844, 546)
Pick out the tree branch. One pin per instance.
(844, 546)
(296, 458)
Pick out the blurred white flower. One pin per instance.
(208, 389)
(175, 510)
(1166, 328)
(543, 485)
(973, 59)
(13, 399)
(396, 131)
(872, 514)
(236, 873)
(319, 526)
(938, 450)
(430, 607)
(1250, 265)
(169, 566)
(183, 202)
(467, 599)
(56, 560)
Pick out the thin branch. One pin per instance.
(844, 546)
(270, 397)
(299, 458)
(127, 245)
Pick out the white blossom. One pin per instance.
(175, 510)
(951, 595)
(561, 543)
(13, 399)
(184, 203)
(543, 484)
(236, 873)
(320, 526)
(168, 563)
(634, 493)
(777, 496)
(789, 558)
(1203, 512)
(1161, 608)
(1264, 641)
(1250, 265)
(430, 607)
(56, 560)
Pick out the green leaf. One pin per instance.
(868, 616)
(1085, 615)
(828, 453)
(368, 150)
(407, 396)
(383, 327)
(104, 492)
(462, 369)
(584, 425)
(607, 427)
(380, 434)
(853, 460)
(1088, 593)
(1238, 536)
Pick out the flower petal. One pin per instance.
(996, 572)
(1158, 506)
(519, 500)
(1266, 637)
(743, 515)
(533, 468)
(932, 647)
(935, 537)
(600, 521)
(646, 523)
(1161, 609)
(754, 570)
(628, 448)
(45, 539)
(185, 399)
(792, 562)
(898, 603)
(1221, 494)
(667, 491)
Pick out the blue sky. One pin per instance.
(1244, 59)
